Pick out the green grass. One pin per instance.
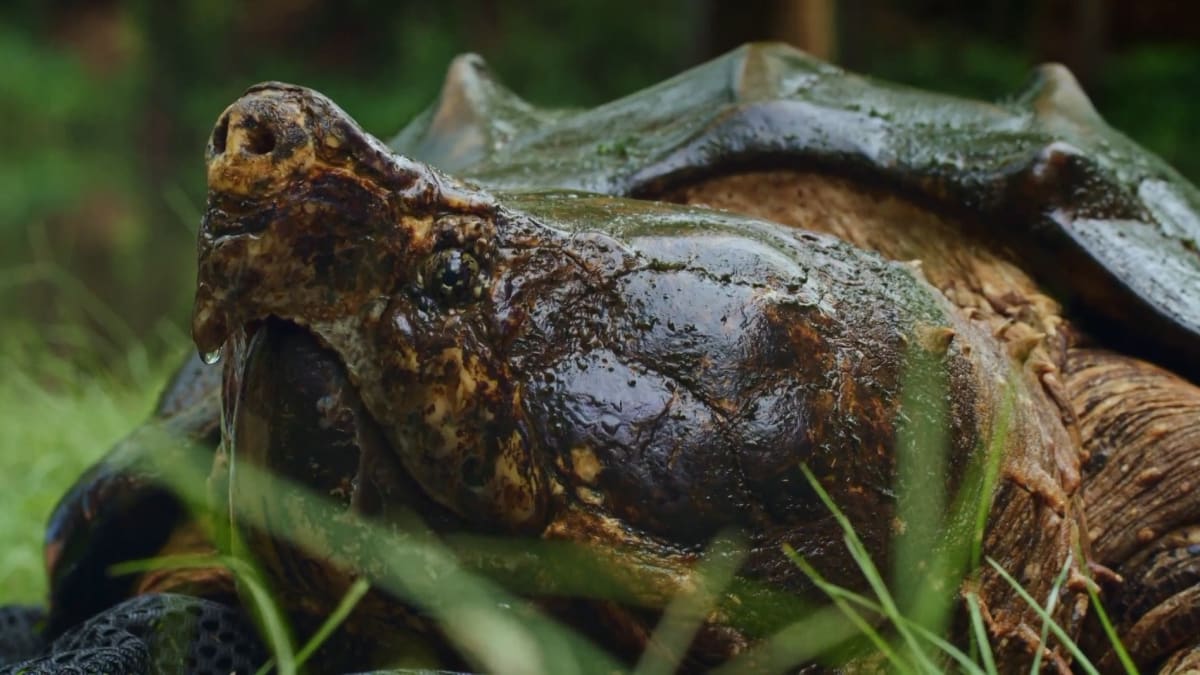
(492, 628)
(58, 417)
(286, 660)
(907, 653)
(54, 422)
(478, 618)
(57, 420)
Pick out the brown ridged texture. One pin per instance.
(1141, 430)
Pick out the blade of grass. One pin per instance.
(1051, 601)
(991, 471)
(796, 644)
(862, 624)
(270, 617)
(1081, 660)
(353, 594)
(186, 211)
(980, 633)
(685, 614)
(924, 549)
(862, 558)
(972, 501)
(924, 633)
(1115, 640)
(496, 631)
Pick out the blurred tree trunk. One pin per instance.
(807, 24)
(1072, 32)
(160, 109)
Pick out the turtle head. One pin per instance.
(322, 251)
(310, 216)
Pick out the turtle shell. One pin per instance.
(1107, 226)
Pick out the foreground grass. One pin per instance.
(55, 420)
(58, 417)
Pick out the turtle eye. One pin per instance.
(453, 276)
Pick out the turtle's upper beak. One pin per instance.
(308, 215)
(263, 139)
(262, 143)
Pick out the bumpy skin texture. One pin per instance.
(991, 199)
(635, 377)
(1035, 507)
(704, 358)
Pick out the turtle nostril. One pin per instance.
(262, 134)
(220, 132)
(260, 140)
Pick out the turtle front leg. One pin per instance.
(1141, 431)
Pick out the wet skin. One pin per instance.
(633, 376)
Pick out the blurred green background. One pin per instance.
(107, 105)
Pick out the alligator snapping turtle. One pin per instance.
(562, 344)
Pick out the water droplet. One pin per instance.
(211, 358)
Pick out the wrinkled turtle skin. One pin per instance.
(628, 329)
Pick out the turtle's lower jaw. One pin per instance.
(296, 415)
(308, 463)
